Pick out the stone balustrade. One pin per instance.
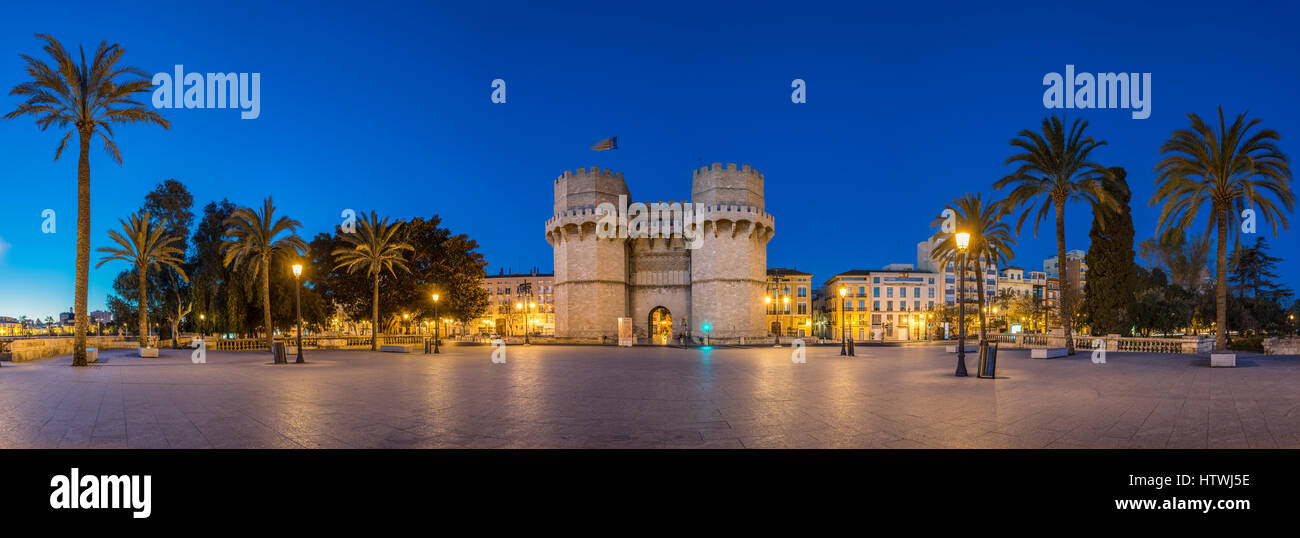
(1110, 342)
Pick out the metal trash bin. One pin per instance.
(988, 365)
(278, 350)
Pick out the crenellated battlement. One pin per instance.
(730, 167)
(595, 171)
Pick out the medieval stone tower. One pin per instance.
(669, 284)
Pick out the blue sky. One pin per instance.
(385, 106)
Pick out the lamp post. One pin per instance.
(963, 241)
(203, 326)
(297, 302)
(435, 324)
(785, 304)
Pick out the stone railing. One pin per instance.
(314, 342)
(1112, 342)
(1282, 346)
(29, 349)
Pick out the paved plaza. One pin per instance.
(645, 397)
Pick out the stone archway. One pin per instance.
(661, 326)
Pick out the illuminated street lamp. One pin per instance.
(203, 325)
(297, 301)
(963, 241)
(435, 324)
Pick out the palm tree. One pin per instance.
(1055, 169)
(1223, 168)
(145, 244)
(374, 246)
(255, 241)
(90, 99)
(990, 242)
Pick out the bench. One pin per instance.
(149, 352)
(1223, 360)
(969, 348)
(92, 354)
(395, 348)
(1047, 352)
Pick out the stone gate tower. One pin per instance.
(669, 286)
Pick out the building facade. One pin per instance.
(894, 304)
(519, 303)
(698, 270)
(788, 302)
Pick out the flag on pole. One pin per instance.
(608, 143)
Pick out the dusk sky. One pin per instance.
(387, 108)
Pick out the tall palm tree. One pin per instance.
(256, 238)
(374, 246)
(990, 242)
(1222, 168)
(146, 245)
(90, 98)
(1055, 168)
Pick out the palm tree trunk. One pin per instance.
(374, 318)
(1063, 265)
(144, 305)
(979, 288)
(1221, 286)
(83, 252)
(266, 300)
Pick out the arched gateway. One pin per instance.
(661, 326)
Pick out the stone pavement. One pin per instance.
(574, 396)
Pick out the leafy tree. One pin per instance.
(90, 98)
(1110, 289)
(171, 202)
(223, 295)
(1055, 168)
(1260, 300)
(1184, 257)
(146, 245)
(256, 239)
(1222, 168)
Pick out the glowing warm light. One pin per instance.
(785, 300)
(843, 291)
(435, 297)
(297, 269)
(519, 306)
(963, 240)
(532, 305)
(767, 300)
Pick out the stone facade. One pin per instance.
(668, 288)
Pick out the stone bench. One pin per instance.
(1223, 360)
(970, 348)
(149, 352)
(395, 348)
(92, 354)
(1047, 352)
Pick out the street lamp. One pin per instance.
(528, 321)
(963, 241)
(203, 326)
(844, 335)
(435, 324)
(297, 300)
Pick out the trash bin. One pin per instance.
(988, 360)
(277, 349)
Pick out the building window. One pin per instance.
(916, 292)
(875, 305)
(889, 305)
(875, 292)
(861, 304)
(803, 292)
(931, 293)
(862, 291)
(916, 305)
(889, 292)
